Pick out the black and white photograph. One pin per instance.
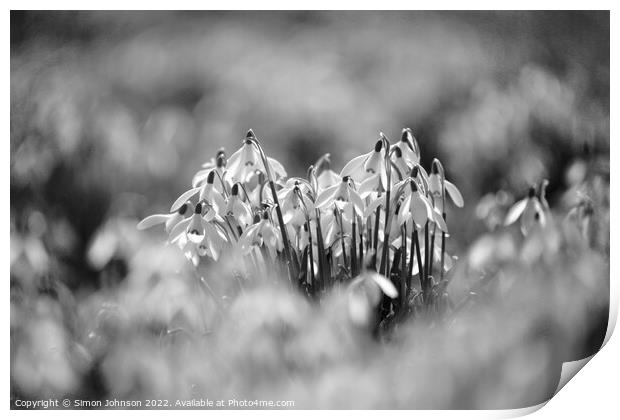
(306, 209)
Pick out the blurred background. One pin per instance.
(113, 112)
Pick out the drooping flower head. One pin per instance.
(439, 185)
(529, 210)
(248, 159)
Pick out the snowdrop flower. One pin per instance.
(295, 202)
(529, 210)
(218, 164)
(211, 245)
(213, 242)
(400, 164)
(207, 192)
(247, 159)
(195, 226)
(409, 148)
(435, 186)
(417, 207)
(368, 165)
(262, 233)
(237, 208)
(333, 229)
(169, 220)
(343, 195)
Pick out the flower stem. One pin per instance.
(274, 193)
(443, 249)
(353, 245)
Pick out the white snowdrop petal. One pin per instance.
(183, 198)
(454, 194)
(152, 220)
(515, 212)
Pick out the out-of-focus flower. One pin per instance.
(529, 210)
(364, 294)
(492, 208)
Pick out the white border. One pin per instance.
(593, 394)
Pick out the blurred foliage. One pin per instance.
(111, 112)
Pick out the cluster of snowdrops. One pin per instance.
(378, 225)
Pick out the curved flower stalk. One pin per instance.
(529, 211)
(267, 163)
